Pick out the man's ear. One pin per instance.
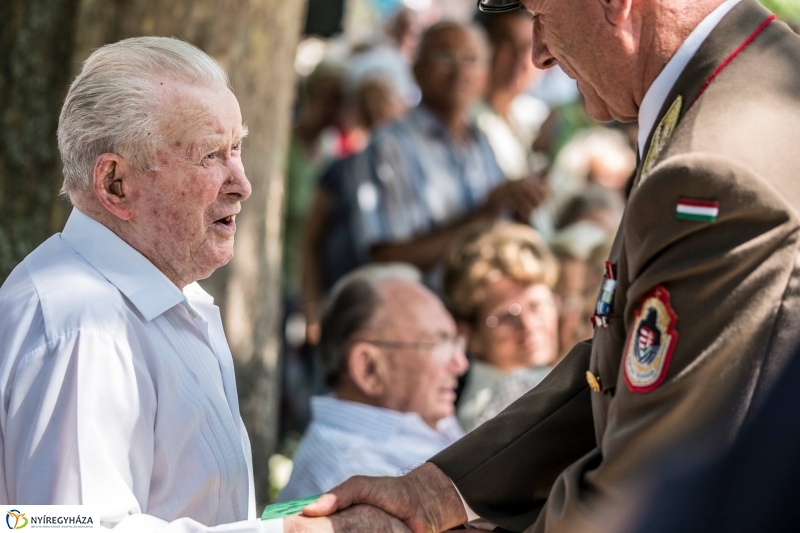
(367, 367)
(616, 11)
(112, 185)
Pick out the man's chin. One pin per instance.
(598, 109)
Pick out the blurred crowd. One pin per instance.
(449, 209)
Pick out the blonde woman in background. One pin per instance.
(498, 284)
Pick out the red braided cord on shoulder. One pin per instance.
(735, 53)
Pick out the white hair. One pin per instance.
(110, 107)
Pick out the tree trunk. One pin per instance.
(36, 46)
(254, 41)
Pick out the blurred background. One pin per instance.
(316, 81)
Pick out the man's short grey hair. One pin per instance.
(353, 303)
(111, 105)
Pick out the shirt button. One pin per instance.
(593, 381)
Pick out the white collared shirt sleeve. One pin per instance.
(118, 392)
(142, 523)
(103, 450)
(473, 520)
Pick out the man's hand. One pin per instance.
(356, 519)
(425, 500)
(523, 196)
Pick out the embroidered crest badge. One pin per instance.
(651, 341)
(662, 135)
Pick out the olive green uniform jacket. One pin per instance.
(706, 309)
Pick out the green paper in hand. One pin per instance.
(286, 509)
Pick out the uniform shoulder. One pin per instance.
(750, 113)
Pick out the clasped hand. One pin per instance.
(423, 501)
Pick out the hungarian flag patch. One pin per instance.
(697, 210)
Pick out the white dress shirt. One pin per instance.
(118, 391)
(657, 94)
(346, 439)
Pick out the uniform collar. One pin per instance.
(656, 95)
(150, 291)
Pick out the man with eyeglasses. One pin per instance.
(697, 315)
(427, 176)
(390, 353)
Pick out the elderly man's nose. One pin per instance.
(540, 54)
(238, 184)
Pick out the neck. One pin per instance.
(123, 230)
(349, 391)
(664, 27)
(453, 119)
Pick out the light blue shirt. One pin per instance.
(347, 439)
(413, 179)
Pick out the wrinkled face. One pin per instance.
(423, 379)
(576, 35)
(185, 208)
(451, 70)
(512, 68)
(517, 326)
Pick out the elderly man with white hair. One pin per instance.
(117, 383)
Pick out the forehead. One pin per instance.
(192, 111)
(413, 309)
(450, 38)
(507, 290)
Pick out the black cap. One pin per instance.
(498, 6)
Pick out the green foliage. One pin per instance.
(787, 10)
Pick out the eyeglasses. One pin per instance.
(498, 6)
(441, 351)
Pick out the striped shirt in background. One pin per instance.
(347, 439)
(413, 179)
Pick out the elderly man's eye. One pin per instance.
(236, 147)
(210, 156)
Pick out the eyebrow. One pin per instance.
(213, 141)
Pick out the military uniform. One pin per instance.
(699, 312)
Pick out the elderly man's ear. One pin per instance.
(368, 369)
(112, 185)
(616, 11)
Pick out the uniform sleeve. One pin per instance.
(78, 430)
(710, 253)
(505, 468)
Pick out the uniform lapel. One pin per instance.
(729, 35)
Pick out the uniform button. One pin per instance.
(192, 314)
(593, 381)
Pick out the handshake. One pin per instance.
(422, 501)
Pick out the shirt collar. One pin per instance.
(360, 419)
(656, 95)
(128, 270)
(430, 123)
